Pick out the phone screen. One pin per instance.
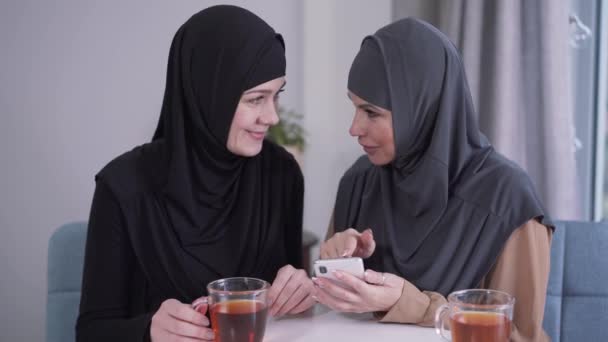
(325, 267)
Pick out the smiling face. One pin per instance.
(255, 113)
(373, 127)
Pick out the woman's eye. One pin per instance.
(276, 97)
(256, 100)
(371, 114)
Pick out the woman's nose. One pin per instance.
(270, 116)
(356, 127)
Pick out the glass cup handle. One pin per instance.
(440, 316)
(198, 302)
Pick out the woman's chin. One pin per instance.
(250, 150)
(378, 160)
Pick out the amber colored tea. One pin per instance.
(239, 321)
(480, 327)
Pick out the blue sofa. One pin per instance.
(577, 295)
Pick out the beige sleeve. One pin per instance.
(414, 306)
(523, 271)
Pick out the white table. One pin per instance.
(321, 325)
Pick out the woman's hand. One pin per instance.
(175, 321)
(349, 243)
(378, 292)
(291, 292)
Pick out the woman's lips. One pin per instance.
(257, 135)
(369, 149)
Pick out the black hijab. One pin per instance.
(442, 211)
(215, 56)
(207, 213)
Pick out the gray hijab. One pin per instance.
(442, 211)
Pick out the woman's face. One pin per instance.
(373, 127)
(255, 113)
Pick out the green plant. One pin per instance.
(289, 130)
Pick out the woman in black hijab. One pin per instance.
(208, 198)
(433, 208)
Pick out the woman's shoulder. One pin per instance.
(500, 168)
(280, 157)
(355, 174)
(359, 168)
(134, 171)
(498, 184)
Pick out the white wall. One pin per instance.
(423, 9)
(82, 81)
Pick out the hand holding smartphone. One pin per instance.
(324, 267)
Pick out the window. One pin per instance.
(589, 24)
(601, 114)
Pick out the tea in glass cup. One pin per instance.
(476, 315)
(237, 308)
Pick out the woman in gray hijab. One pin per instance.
(432, 207)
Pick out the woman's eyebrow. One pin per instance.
(264, 90)
(369, 107)
(365, 105)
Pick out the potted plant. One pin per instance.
(289, 133)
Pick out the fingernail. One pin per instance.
(210, 335)
(315, 298)
(338, 274)
(345, 253)
(317, 282)
(370, 231)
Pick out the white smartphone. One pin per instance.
(325, 267)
